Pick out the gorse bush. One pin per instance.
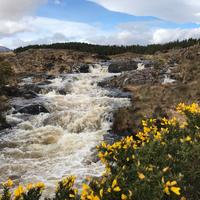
(160, 163)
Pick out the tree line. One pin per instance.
(113, 49)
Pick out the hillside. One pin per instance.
(114, 49)
(50, 61)
(4, 49)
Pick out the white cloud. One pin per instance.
(173, 10)
(15, 9)
(41, 30)
(9, 27)
(166, 35)
(31, 30)
(19, 28)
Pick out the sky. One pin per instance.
(119, 22)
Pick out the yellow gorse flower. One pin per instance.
(193, 108)
(117, 189)
(171, 186)
(124, 197)
(29, 186)
(186, 139)
(8, 183)
(19, 191)
(40, 185)
(141, 176)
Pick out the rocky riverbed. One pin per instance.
(68, 104)
(56, 124)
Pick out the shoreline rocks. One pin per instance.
(33, 109)
(129, 65)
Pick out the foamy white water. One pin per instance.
(49, 146)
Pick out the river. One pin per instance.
(49, 146)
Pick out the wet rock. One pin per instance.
(33, 109)
(116, 93)
(122, 66)
(46, 82)
(26, 92)
(62, 91)
(136, 77)
(34, 88)
(50, 77)
(3, 123)
(30, 95)
(82, 68)
(11, 91)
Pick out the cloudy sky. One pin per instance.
(126, 22)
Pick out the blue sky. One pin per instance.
(87, 12)
(118, 22)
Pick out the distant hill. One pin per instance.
(113, 49)
(4, 49)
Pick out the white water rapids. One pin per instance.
(49, 146)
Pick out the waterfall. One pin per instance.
(49, 146)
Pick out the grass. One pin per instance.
(5, 76)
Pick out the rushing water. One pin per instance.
(49, 146)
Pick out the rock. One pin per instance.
(82, 68)
(49, 65)
(3, 123)
(136, 77)
(50, 77)
(30, 95)
(62, 91)
(46, 82)
(36, 88)
(116, 93)
(33, 109)
(148, 63)
(122, 66)
(11, 91)
(4, 126)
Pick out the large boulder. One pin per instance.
(82, 68)
(33, 109)
(122, 66)
(135, 77)
(29, 95)
(3, 123)
(13, 91)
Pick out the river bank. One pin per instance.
(162, 81)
